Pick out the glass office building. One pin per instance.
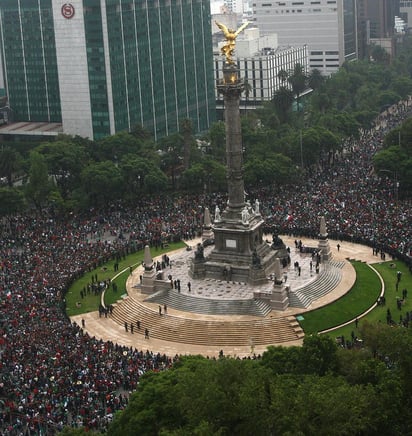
(102, 66)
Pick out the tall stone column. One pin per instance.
(231, 88)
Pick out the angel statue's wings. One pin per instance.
(243, 26)
(229, 33)
(223, 28)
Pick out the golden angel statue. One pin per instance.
(230, 35)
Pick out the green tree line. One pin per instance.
(317, 389)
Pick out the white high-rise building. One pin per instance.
(406, 11)
(235, 6)
(260, 59)
(327, 27)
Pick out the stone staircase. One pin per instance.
(210, 306)
(328, 279)
(206, 332)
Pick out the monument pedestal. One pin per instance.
(280, 298)
(149, 274)
(257, 276)
(324, 249)
(207, 234)
(197, 269)
(239, 254)
(323, 244)
(148, 282)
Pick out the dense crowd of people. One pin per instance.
(358, 205)
(54, 374)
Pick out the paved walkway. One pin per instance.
(228, 290)
(108, 330)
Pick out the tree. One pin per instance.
(402, 86)
(380, 55)
(102, 182)
(320, 102)
(65, 161)
(275, 169)
(267, 116)
(11, 201)
(172, 148)
(136, 170)
(306, 147)
(366, 118)
(10, 162)
(156, 181)
(39, 186)
(342, 124)
(282, 102)
(388, 98)
(282, 360)
(315, 79)
(207, 175)
(367, 97)
(283, 75)
(281, 394)
(116, 146)
(139, 132)
(298, 80)
(319, 355)
(389, 159)
(360, 367)
(405, 138)
(217, 137)
(328, 141)
(392, 346)
(328, 405)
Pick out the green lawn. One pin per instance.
(91, 302)
(363, 294)
(388, 274)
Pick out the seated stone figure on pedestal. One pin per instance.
(277, 242)
(199, 253)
